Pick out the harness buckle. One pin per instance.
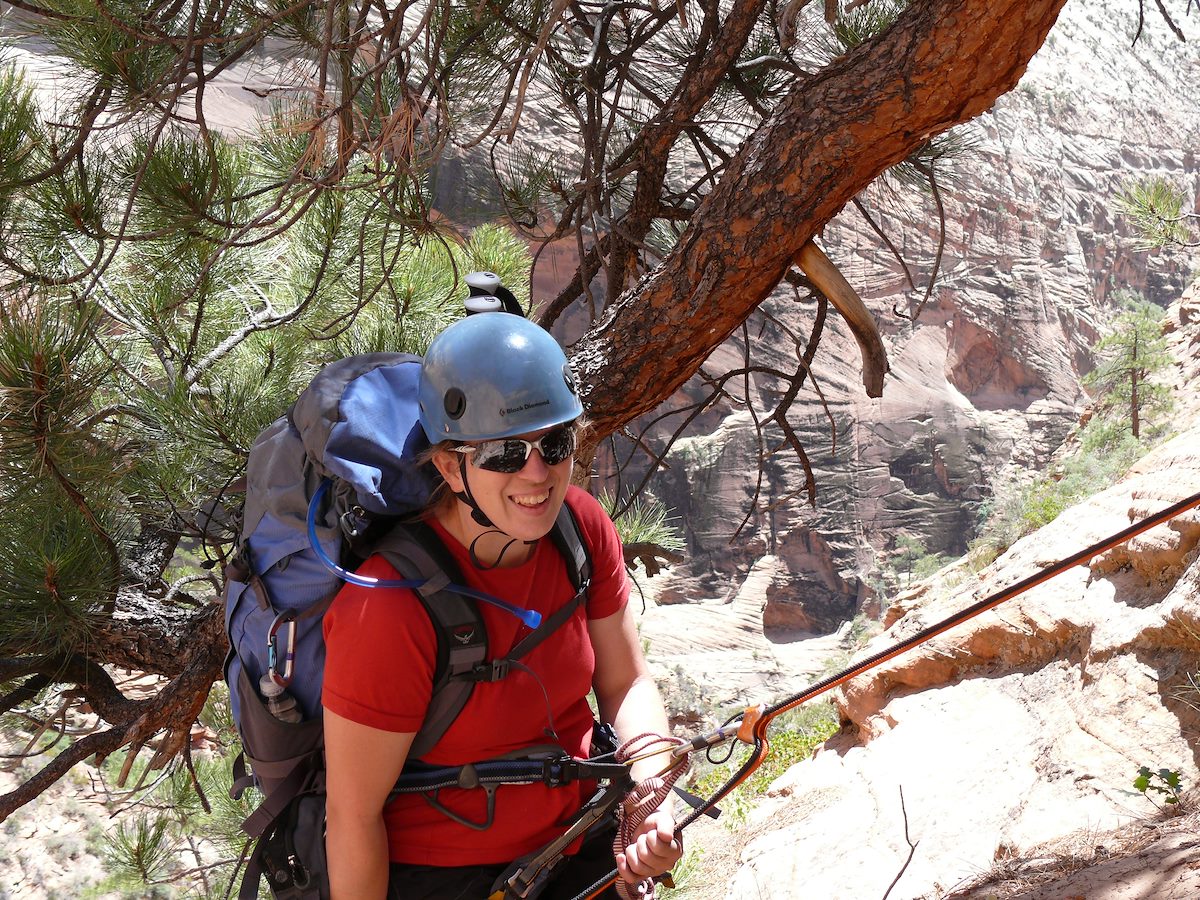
(562, 770)
(559, 770)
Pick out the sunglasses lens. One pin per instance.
(558, 445)
(500, 456)
(509, 456)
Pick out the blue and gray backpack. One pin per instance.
(337, 479)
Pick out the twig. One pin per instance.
(1171, 22)
(912, 847)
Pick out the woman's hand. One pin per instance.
(654, 851)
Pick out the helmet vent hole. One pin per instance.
(455, 403)
(569, 379)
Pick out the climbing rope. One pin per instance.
(647, 796)
(750, 726)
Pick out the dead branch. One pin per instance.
(825, 275)
(912, 848)
(653, 557)
(171, 712)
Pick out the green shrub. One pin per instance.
(1106, 450)
(1167, 783)
(791, 738)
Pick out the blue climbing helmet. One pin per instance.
(495, 375)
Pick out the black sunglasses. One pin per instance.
(508, 455)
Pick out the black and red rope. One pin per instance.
(751, 725)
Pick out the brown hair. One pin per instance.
(441, 495)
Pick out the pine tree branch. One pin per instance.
(589, 265)
(100, 743)
(147, 635)
(41, 12)
(867, 111)
(24, 692)
(714, 59)
(172, 710)
(96, 686)
(14, 667)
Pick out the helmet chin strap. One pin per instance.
(481, 517)
(465, 496)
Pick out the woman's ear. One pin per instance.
(448, 464)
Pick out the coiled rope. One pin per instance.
(647, 796)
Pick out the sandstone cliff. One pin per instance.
(986, 382)
(1019, 728)
(1007, 747)
(1015, 738)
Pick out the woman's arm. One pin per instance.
(361, 768)
(628, 698)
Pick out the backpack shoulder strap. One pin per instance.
(568, 538)
(416, 552)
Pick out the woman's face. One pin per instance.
(523, 504)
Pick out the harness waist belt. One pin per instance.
(556, 771)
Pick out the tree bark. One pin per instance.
(942, 63)
(147, 635)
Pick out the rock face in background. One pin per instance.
(1008, 744)
(1019, 728)
(987, 380)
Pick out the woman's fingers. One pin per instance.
(655, 850)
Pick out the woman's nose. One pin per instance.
(535, 467)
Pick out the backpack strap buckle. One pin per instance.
(496, 670)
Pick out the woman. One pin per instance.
(499, 405)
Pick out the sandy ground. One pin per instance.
(1149, 860)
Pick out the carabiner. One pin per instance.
(288, 618)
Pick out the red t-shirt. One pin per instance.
(380, 653)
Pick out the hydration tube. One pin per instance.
(530, 617)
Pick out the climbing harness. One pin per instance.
(750, 727)
(620, 799)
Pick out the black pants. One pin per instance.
(574, 875)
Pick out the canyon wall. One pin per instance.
(985, 380)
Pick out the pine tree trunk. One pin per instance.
(1134, 420)
(943, 63)
(1134, 424)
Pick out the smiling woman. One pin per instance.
(516, 484)
(500, 405)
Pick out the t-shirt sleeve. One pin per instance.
(610, 583)
(380, 649)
